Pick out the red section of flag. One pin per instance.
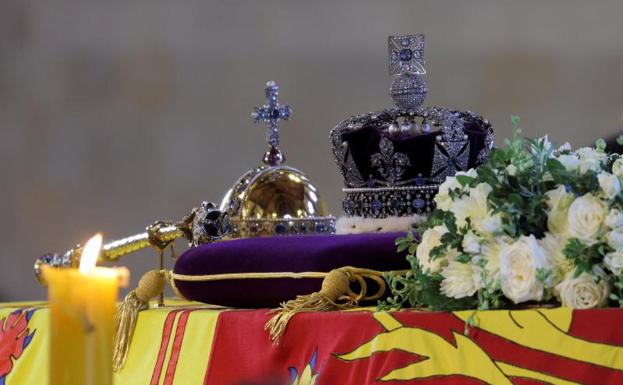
(164, 343)
(598, 325)
(14, 337)
(243, 354)
(180, 330)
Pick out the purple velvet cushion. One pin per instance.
(280, 254)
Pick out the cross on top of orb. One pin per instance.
(271, 113)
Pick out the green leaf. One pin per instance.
(542, 274)
(554, 164)
(403, 246)
(516, 199)
(515, 121)
(600, 145)
(464, 180)
(401, 240)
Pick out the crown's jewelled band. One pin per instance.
(283, 226)
(382, 202)
(450, 123)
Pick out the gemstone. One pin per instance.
(393, 129)
(419, 181)
(211, 228)
(376, 205)
(275, 114)
(320, 227)
(46, 258)
(348, 206)
(568, 188)
(370, 183)
(407, 129)
(273, 157)
(280, 228)
(395, 204)
(451, 162)
(418, 203)
(405, 54)
(302, 228)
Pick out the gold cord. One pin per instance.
(335, 294)
(263, 275)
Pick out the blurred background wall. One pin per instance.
(114, 113)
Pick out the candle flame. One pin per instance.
(89, 254)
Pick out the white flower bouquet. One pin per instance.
(533, 224)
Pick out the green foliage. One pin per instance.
(584, 257)
(618, 295)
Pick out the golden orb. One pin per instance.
(276, 200)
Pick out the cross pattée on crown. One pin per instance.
(271, 113)
(406, 55)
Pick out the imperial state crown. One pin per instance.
(394, 160)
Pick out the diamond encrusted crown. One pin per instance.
(394, 160)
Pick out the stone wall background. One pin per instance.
(116, 113)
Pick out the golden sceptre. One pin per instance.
(204, 224)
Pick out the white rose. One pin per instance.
(519, 263)
(609, 184)
(561, 266)
(491, 251)
(614, 261)
(491, 225)
(471, 243)
(583, 292)
(565, 147)
(614, 219)
(615, 238)
(430, 239)
(586, 216)
(590, 159)
(617, 167)
(570, 161)
(442, 199)
(558, 201)
(511, 169)
(472, 206)
(460, 280)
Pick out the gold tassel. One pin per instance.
(149, 287)
(335, 294)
